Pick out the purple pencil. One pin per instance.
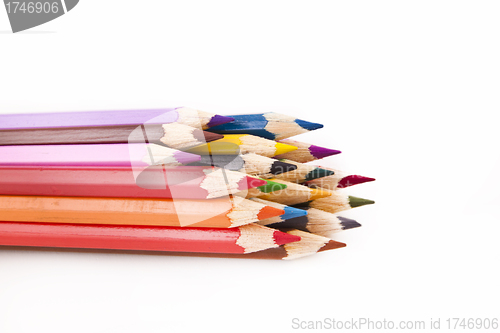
(137, 155)
(305, 152)
(182, 115)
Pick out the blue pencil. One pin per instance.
(272, 126)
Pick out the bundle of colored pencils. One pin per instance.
(177, 181)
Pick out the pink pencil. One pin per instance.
(137, 155)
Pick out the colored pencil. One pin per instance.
(262, 190)
(154, 182)
(120, 154)
(251, 164)
(337, 180)
(293, 194)
(173, 135)
(317, 222)
(309, 244)
(272, 126)
(244, 239)
(182, 115)
(234, 144)
(290, 212)
(336, 202)
(214, 213)
(303, 173)
(306, 152)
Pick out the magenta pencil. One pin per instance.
(183, 115)
(137, 155)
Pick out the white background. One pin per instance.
(408, 90)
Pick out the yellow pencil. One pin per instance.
(234, 144)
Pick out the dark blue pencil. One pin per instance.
(272, 126)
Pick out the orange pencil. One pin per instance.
(224, 212)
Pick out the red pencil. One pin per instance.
(184, 182)
(245, 239)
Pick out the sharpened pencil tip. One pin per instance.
(206, 136)
(317, 193)
(318, 173)
(291, 212)
(272, 187)
(308, 125)
(219, 120)
(282, 238)
(268, 211)
(348, 223)
(353, 180)
(332, 245)
(282, 148)
(250, 182)
(357, 202)
(279, 167)
(321, 152)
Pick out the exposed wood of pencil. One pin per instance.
(336, 202)
(293, 194)
(120, 154)
(245, 239)
(154, 182)
(252, 164)
(233, 144)
(214, 213)
(317, 222)
(173, 135)
(306, 152)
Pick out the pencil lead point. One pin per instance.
(281, 167)
(317, 193)
(348, 223)
(206, 136)
(251, 182)
(318, 173)
(282, 148)
(321, 152)
(357, 202)
(282, 238)
(291, 212)
(268, 211)
(353, 180)
(308, 125)
(332, 245)
(272, 187)
(219, 120)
